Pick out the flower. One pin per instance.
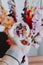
(8, 22)
(27, 17)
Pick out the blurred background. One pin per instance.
(34, 3)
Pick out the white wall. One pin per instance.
(5, 5)
(42, 3)
(40, 50)
(19, 7)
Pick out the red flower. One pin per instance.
(9, 42)
(28, 12)
(28, 18)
